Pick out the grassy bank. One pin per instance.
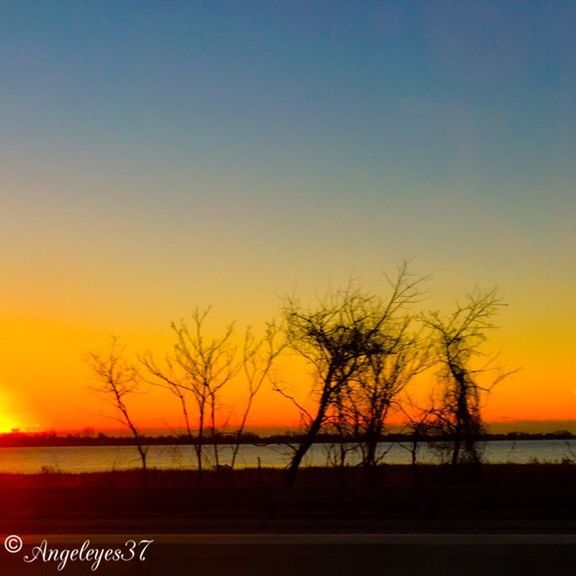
(386, 475)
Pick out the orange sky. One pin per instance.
(47, 384)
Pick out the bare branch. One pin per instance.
(360, 348)
(118, 379)
(458, 340)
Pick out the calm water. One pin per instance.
(104, 458)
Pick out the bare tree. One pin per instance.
(431, 426)
(458, 339)
(118, 379)
(375, 392)
(340, 339)
(199, 366)
(167, 377)
(341, 421)
(258, 356)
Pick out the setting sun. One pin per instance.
(8, 423)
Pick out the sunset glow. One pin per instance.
(160, 157)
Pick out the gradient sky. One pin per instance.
(157, 156)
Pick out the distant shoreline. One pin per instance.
(23, 440)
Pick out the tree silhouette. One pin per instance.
(341, 339)
(402, 356)
(458, 339)
(119, 379)
(199, 366)
(258, 356)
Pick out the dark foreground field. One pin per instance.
(507, 520)
(521, 498)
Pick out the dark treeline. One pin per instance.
(54, 440)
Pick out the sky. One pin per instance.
(161, 156)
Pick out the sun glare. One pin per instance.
(7, 421)
(7, 426)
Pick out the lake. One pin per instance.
(106, 458)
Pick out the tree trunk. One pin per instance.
(306, 443)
